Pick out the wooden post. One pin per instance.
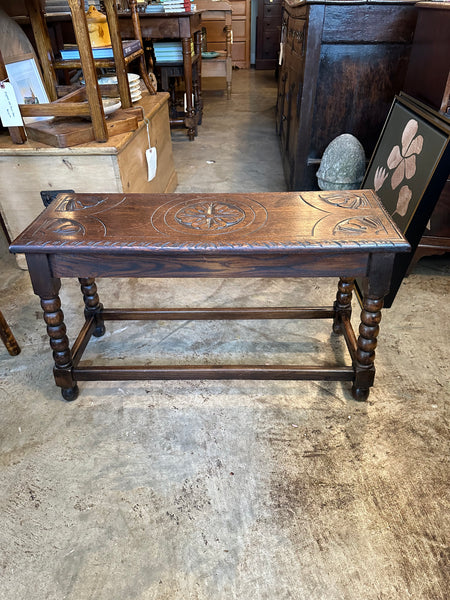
(138, 34)
(116, 42)
(89, 71)
(43, 46)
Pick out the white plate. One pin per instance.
(110, 105)
(133, 79)
(136, 98)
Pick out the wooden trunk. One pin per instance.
(116, 166)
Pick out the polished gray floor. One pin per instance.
(227, 490)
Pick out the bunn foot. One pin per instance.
(70, 394)
(99, 331)
(360, 394)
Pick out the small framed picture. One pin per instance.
(26, 80)
(408, 170)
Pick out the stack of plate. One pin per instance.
(134, 82)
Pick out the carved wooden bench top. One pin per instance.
(264, 223)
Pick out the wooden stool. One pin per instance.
(310, 234)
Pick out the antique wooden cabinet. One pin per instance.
(240, 24)
(268, 29)
(343, 63)
(431, 47)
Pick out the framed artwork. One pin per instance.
(408, 170)
(26, 80)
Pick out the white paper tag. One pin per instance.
(150, 155)
(280, 59)
(9, 107)
(185, 102)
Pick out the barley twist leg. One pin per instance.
(367, 342)
(93, 307)
(59, 343)
(343, 302)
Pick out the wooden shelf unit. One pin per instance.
(216, 17)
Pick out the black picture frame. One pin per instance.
(408, 170)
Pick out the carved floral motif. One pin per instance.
(360, 225)
(63, 227)
(346, 200)
(207, 216)
(72, 203)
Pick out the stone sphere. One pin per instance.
(343, 164)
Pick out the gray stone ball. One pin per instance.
(343, 164)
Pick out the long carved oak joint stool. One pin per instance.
(346, 234)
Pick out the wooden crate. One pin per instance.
(119, 165)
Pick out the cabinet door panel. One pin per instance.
(239, 51)
(239, 29)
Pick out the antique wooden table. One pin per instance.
(310, 234)
(185, 26)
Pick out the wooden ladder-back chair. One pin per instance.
(85, 101)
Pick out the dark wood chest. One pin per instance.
(343, 63)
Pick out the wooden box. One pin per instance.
(118, 165)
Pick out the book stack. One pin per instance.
(62, 6)
(154, 8)
(176, 6)
(71, 52)
(168, 52)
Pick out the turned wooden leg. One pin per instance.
(367, 342)
(59, 343)
(93, 307)
(198, 76)
(343, 302)
(7, 337)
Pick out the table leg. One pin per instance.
(198, 76)
(47, 287)
(343, 303)
(59, 343)
(229, 65)
(190, 120)
(93, 307)
(367, 342)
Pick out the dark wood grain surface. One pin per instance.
(241, 223)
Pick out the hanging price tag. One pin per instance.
(150, 155)
(9, 108)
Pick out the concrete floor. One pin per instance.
(227, 490)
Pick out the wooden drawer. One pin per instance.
(272, 25)
(271, 43)
(273, 11)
